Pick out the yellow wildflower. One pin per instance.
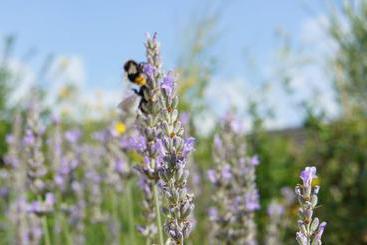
(120, 127)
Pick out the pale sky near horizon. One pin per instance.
(98, 36)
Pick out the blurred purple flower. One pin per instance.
(226, 173)
(59, 181)
(10, 139)
(11, 160)
(93, 176)
(4, 191)
(101, 136)
(137, 143)
(288, 194)
(188, 146)
(143, 184)
(72, 136)
(29, 138)
(120, 166)
(217, 142)
(252, 200)
(255, 160)
(50, 199)
(34, 207)
(212, 176)
(185, 118)
(55, 118)
(275, 209)
(237, 126)
(213, 213)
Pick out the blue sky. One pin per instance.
(105, 34)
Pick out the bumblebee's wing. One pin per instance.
(131, 67)
(127, 103)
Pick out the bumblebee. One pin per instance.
(135, 74)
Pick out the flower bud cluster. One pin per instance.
(310, 229)
(174, 151)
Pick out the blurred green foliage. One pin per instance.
(349, 31)
(5, 88)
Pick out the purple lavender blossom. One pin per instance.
(168, 84)
(149, 70)
(307, 175)
(320, 231)
(310, 231)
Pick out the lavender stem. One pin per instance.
(131, 213)
(158, 211)
(45, 227)
(115, 214)
(66, 231)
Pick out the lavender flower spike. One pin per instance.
(276, 215)
(165, 152)
(236, 197)
(310, 231)
(148, 121)
(36, 168)
(173, 172)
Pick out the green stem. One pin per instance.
(45, 230)
(158, 211)
(115, 214)
(131, 213)
(63, 221)
(58, 220)
(66, 231)
(44, 227)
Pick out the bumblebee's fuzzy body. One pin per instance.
(135, 72)
(136, 75)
